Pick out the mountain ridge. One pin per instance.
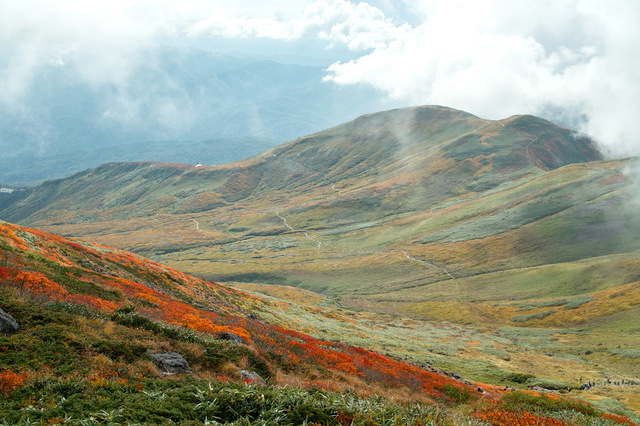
(174, 93)
(321, 150)
(501, 228)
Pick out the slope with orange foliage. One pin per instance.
(49, 270)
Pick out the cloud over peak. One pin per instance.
(573, 61)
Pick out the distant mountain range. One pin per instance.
(191, 105)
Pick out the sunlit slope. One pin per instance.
(387, 203)
(91, 318)
(117, 288)
(401, 160)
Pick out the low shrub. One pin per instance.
(9, 381)
(537, 315)
(519, 378)
(520, 401)
(460, 395)
(126, 316)
(116, 350)
(196, 401)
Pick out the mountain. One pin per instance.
(431, 183)
(27, 170)
(182, 100)
(362, 174)
(96, 323)
(515, 231)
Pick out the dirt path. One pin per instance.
(338, 192)
(529, 151)
(197, 224)
(306, 233)
(424, 262)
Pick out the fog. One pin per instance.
(118, 68)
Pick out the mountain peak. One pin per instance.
(401, 148)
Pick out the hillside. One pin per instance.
(510, 243)
(438, 152)
(376, 210)
(381, 185)
(92, 319)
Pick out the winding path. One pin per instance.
(284, 220)
(306, 233)
(333, 188)
(424, 262)
(529, 151)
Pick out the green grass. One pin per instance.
(520, 401)
(537, 315)
(570, 282)
(193, 401)
(633, 353)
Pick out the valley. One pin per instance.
(504, 251)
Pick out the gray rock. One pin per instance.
(233, 338)
(8, 325)
(171, 363)
(252, 378)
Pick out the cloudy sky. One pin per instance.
(575, 61)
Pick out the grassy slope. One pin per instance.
(88, 314)
(488, 203)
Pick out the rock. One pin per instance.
(252, 378)
(8, 325)
(96, 268)
(171, 362)
(233, 338)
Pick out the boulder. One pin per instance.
(233, 338)
(171, 362)
(252, 378)
(8, 325)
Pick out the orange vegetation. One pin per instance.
(10, 381)
(156, 291)
(279, 344)
(524, 418)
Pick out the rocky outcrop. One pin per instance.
(233, 338)
(252, 378)
(171, 362)
(8, 325)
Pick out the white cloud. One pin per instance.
(493, 58)
(100, 39)
(359, 26)
(574, 60)
(498, 58)
(219, 24)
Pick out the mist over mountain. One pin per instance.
(189, 105)
(515, 231)
(324, 211)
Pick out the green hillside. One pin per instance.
(94, 322)
(393, 200)
(509, 228)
